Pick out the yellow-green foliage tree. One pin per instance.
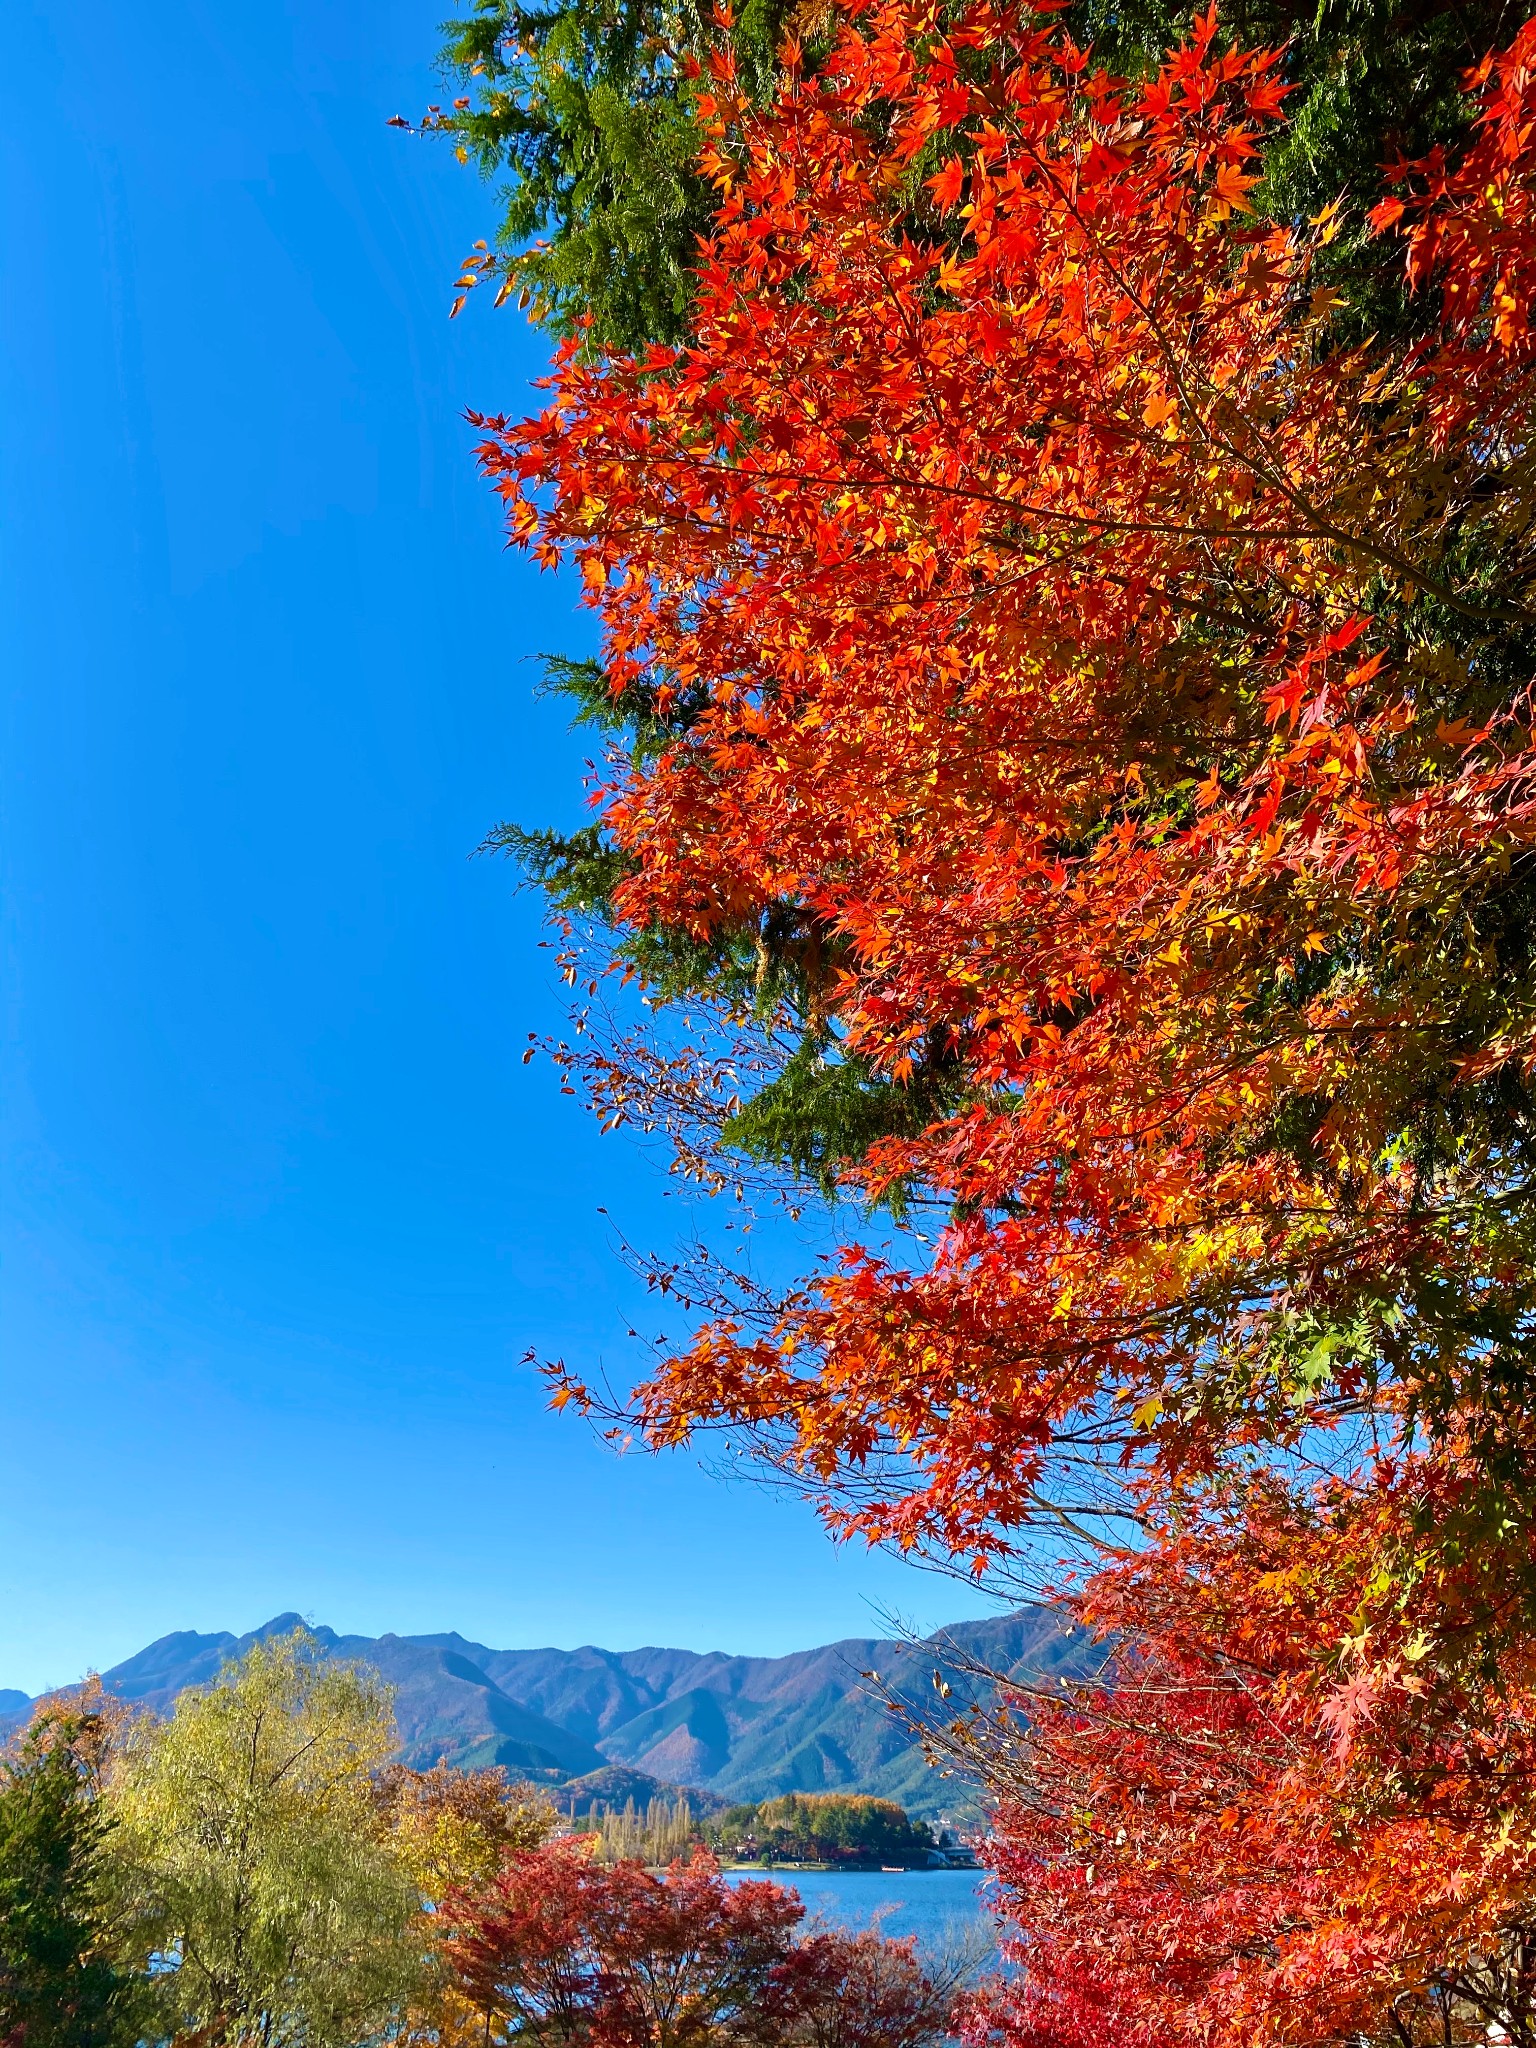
(251, 1832)
(454, 1829)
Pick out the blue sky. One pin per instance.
(282, 1208)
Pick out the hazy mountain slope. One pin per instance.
(589, 1691)
(167, 1667)
(748, 1727)
(447, 1705)
(739, 1727)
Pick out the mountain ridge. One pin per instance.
(734, 1727)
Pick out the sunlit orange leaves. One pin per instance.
(1076, 623)
(1278, 1814)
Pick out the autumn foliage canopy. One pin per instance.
(1109, 684)
(561, 1949)
(1280, 1815)
(1078, 644)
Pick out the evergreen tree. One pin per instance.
(59, 1987)
(586, 104)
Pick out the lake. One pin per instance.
(944, 1909)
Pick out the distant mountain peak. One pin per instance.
(730, 1728)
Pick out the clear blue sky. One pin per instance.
(282, 1208)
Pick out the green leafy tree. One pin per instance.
(251, 1832)
(60, 1986)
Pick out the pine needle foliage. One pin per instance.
(585, 104)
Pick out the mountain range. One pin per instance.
(590, 1720)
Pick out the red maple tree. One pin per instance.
(1110, 684)
(1105, 677)
(560, 1948)
(1278, 1814)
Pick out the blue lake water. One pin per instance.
(944, 1909)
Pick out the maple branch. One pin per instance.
(1258, 465)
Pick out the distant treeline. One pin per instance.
(794, 1828)
(835, 1827)
(657, 1833)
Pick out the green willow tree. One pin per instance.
(251, 1835)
